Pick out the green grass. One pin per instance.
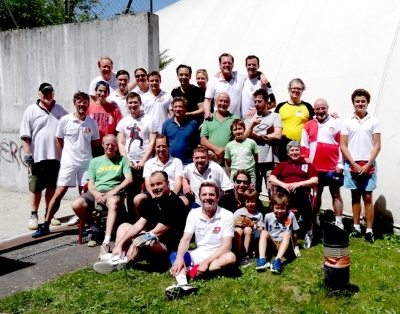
(374, 273)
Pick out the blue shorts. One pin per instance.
(353, 181)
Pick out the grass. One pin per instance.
(374, 278)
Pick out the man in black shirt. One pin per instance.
(233, 200)
(193, 94)
(158, 231)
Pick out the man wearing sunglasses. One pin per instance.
(141, 82)
(234, 199)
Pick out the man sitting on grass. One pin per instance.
(213, 230)
(280, 231)
(157, 231)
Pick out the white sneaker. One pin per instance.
(177, 291)
(308, 241)
(55, 222)
(104, 249)
(106, 257)
(33, 223)
(339, 224)
(110, 266)
(73, 221)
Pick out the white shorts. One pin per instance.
(199, 255)
(70, 175)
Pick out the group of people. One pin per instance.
(193, 162)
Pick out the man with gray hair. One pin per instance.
(108, 176)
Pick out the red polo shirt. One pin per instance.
(290, 172)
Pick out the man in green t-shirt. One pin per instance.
(108, 176)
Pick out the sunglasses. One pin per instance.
(242, 181)
(140, 75)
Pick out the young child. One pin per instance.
(248, 229)
(241, 153)
(280, 226)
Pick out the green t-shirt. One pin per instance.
(242, 156)
(218, 133)
(108, 173)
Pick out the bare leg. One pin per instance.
(112, 205)
(369, 209)
(48, 196)
(238, 241)
(262, 244)
(139, 201)
(224, 260)
(54, 204)
(284, 245)
(184, 200)
(34, 199)
(248, 232)
(337, 201)
(79, 206)
(356, 205)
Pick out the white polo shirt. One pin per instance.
(214, 173)
(157, 107)
(209, 233)
(137, 133)
(77, 136)
(249, 87)
(173, 167)
(112, 83)
(40, 127)
(119, 101)
(360, 132)
(138, 91)
(233, 88)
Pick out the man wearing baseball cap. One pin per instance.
(38, 128)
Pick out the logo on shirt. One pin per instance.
(217, 230)
(160, 99)
(86, 130)
(332, 129)
(304, 168)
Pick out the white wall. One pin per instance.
(334, 46)
(65, 56)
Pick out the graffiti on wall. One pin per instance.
(11, 152)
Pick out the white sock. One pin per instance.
(368, 230)
(357, 227)
(107, 239)
(181, 279)
(95, 228)
(338, 219)
(309, 232)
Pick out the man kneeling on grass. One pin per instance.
(158, 230)
(280, 231)
(213, 230)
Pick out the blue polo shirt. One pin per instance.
(182, 139)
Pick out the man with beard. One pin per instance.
(202, 170)
(193, 94)
(234, 200)
(157, 232)
(213, 230)
(76, 135)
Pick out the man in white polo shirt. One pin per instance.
(165, 162)
(118, 97)
(202, 170)
(214, 231)
(360, 142)
(38, 128)
(76, 134)
(156, 102)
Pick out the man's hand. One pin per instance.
(178, 265)
(214, 157)
(111, 193)
(293, 186)
(264, 80)
(100, 198)
(138, 166)
(256, 121)
(365, 169)
(203, 267)
(186, 188)
(132, 253)
(297, 251)
(307, 160)
(339, 170)
(117, 250)
(334, 115)
(145, 239)
(251, 113)
(207, 114)
(220, 152)
(28, 159)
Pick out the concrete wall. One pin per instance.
(334, 46)
(65, 56)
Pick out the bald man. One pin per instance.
(320, 145)
(216, 133)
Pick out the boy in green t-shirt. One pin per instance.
(241, 153)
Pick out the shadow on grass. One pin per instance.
(347, 291)
(9, 265)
